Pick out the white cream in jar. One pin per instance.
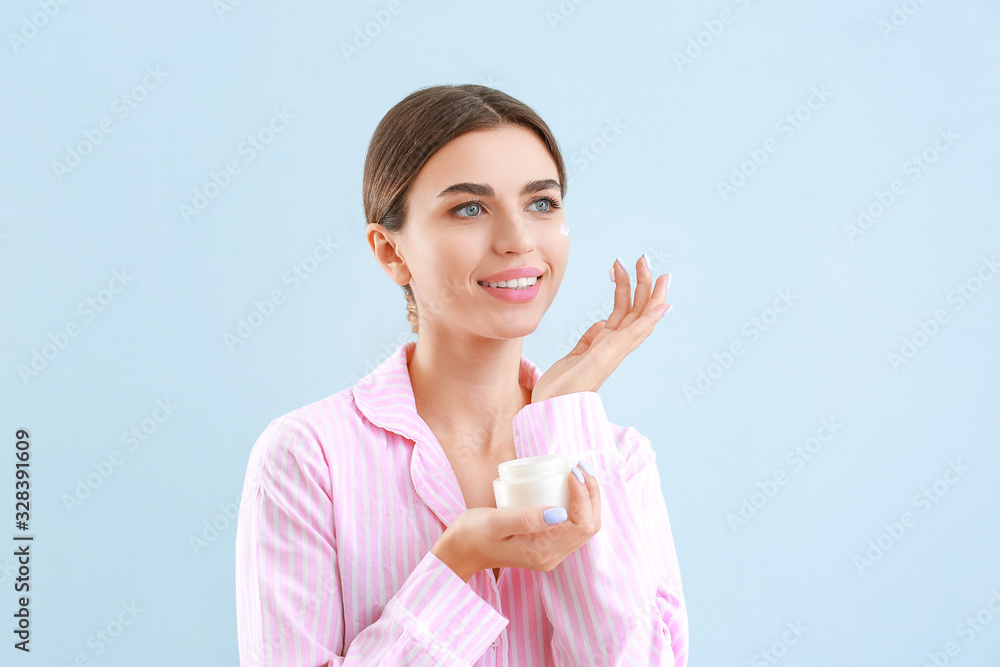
(534, 481)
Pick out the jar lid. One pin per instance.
(534, 466)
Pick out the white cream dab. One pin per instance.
(564, 229)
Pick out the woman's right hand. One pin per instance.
(606, 343)
(485, 537)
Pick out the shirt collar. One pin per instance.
(385, 396)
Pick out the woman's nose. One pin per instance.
(515, 232)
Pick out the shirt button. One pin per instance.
(496, 642)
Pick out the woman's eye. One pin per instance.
(549, 205)
(474, 207)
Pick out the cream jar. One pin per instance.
(534, 481)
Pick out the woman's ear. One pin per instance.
(385, 246)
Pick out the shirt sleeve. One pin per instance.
(289, 602)
(618, 599)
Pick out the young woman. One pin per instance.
(368, 532)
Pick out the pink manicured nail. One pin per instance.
(665, 310)
(668, 281)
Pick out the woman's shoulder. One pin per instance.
(307, 434)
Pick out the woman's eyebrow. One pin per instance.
(486, 190)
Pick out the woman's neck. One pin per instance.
(468, 394)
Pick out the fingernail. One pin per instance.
(579, 475)
(611, 272)
(645, 261)
(665, 310)
(586, 467)
(668, 281)
(619, 260)
(555, 515)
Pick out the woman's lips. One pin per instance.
(514, 295)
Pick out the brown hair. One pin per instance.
(416, 128)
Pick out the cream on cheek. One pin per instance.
(564, 228)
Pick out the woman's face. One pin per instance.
(484, 203)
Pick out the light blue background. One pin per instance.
(652, 188)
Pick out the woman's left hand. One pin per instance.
(606, 343)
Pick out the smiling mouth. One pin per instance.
(513, 284)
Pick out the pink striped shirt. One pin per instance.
(344, 498)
